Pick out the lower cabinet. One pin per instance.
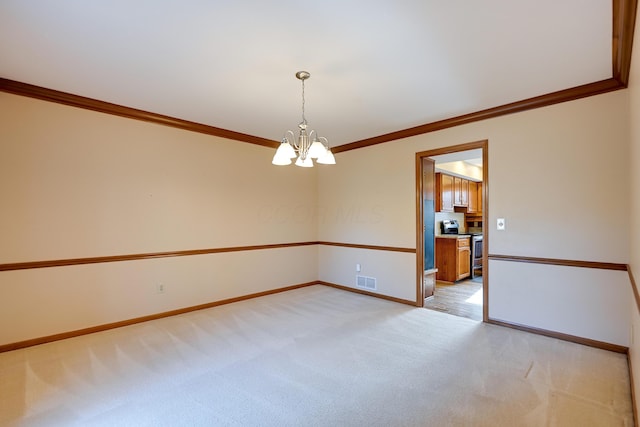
(453, 258)
(464, 258)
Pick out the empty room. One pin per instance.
(256, 213)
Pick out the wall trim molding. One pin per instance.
(634, 287)
(372, 247)
(169, 254)
(190, 252)
(85, 331)
(561, 336)
(560, 262)
(105, 327)
(51, 95)
(150, 255)
(371, 294)
(633, 390)
(114, 325)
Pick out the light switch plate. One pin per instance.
(501, 224)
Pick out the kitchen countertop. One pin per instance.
(451, 236)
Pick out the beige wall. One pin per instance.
(634, 231)
(77, 183)
(394, 272)
(555, 174)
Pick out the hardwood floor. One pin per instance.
(463, 299)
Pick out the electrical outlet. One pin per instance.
(501, 224)
(161, 288)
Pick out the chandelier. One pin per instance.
(306, 146)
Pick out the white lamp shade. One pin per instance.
(328, 158)
(317, 150)
(306, 163)
(286, 150)
(280, 160)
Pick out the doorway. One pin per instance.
(472, 286)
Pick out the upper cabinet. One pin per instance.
(472, 207)
(444, 192)
(455, 192)
(475, 200)
(460, 192)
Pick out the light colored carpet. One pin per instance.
(315, 356)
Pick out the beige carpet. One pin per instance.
(315, 356)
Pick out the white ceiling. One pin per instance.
(376, 66)
(470, 156)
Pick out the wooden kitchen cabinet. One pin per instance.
(464, 198)
(454, 192)
(464, 258)
(472, 207)
(444, 192)
(475, 200)
(460, 192)
(453, 258)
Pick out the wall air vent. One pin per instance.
(364, 282)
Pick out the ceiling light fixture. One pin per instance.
(307, 146)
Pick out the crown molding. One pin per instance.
(32, 91)
(624, 20)
(577, 92)
(624, 17)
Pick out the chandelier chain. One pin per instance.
(304, 120)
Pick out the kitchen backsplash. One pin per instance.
(474, 230)
(450, 215)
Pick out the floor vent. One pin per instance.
(366, 282)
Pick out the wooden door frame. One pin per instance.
(484, 146)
